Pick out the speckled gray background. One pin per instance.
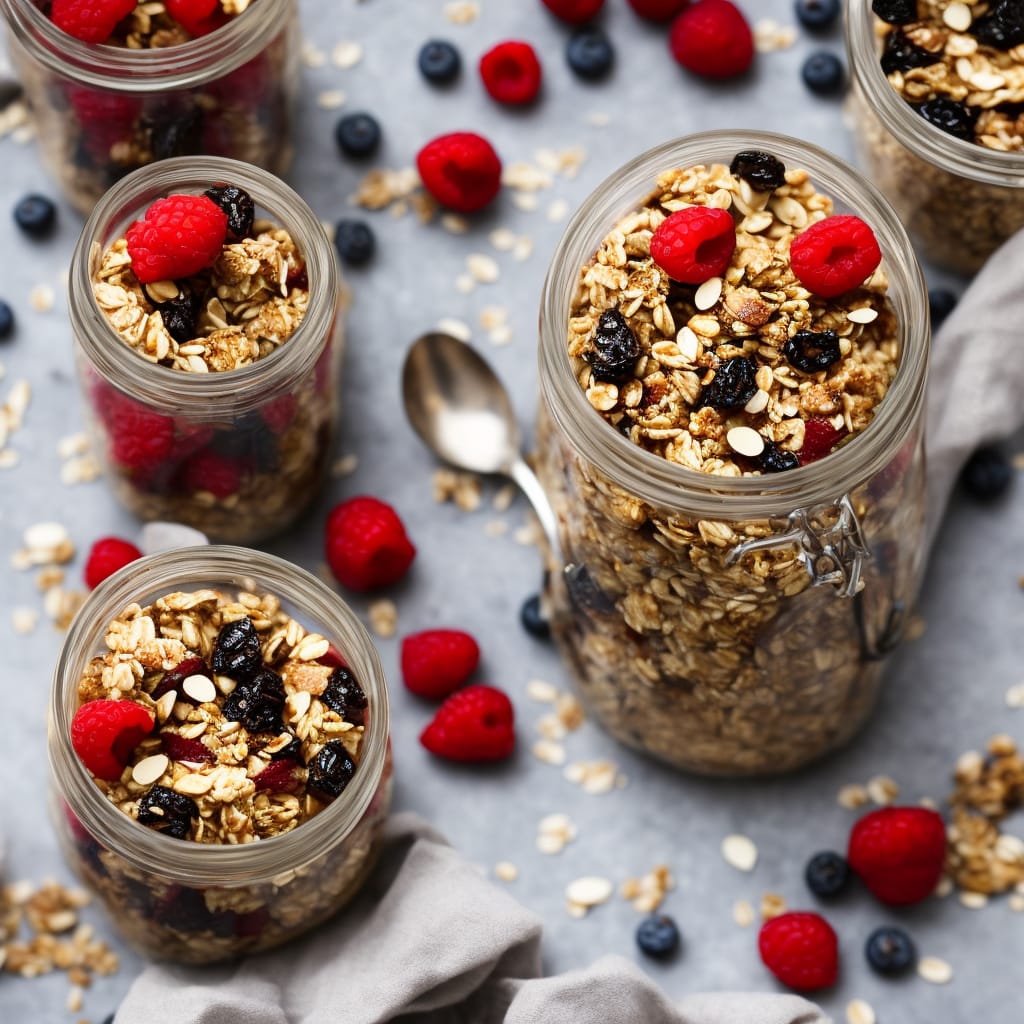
(945, 691)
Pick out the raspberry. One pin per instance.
(658, 10)
(105, 732)
(212, 472)
(105, 117)
(460, 170)
(820, 437)
(801, 950)
(139, 439)
(437, 662)
(712, 38)
(573, 11)
(474, 724)
(178, 236)
(899, 852)
(106, 556)
(92, 21)
(367, 545)
(197, 17)
(279, 413)
(511, 72)
(834, 255)
(694, 244)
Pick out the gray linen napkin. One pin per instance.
(429, 941)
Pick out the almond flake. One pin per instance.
(346, 54)
(973, 900)
(745, 441)
(149, 769)
(506, 871)
(1015, 696)
(859, 1012)
(200, 688)
(739, 852)
(708, 294)
(589, 891)
(549, 752)
(330, 99)
(882, 790)
(957, 16)
(864, 315)
(482, 268)
(932, 969)
(743, 913)
(24, 620)
(192, 784)
(541, 691)
(758, 403)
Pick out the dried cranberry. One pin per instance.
(173, 679)
(258, 703)
(733, 384)
(344, 695)
(172, 813)
(820, 437)
(236, 651)
(615, 348)
(238, 205)
(761, 171)
(179, 748)
(331, 770)
(279, 777)
(811, 351)
(900, 54)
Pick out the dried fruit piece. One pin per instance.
(761, 171)
(257, 703)
(344, 695)
(775, 459)
(172, 813)
(105, 732)
(694, 244)
(801, 950)
(900, 54)
(280, 776)
(820, 437)
(733, 385)
(179, 315)
(474, 724)
(239, 208)
(615, 350)
(811, 351)
(436, 662)
(180, 748)
(330, 771)
(895, 12)
(236, 651)
(949, 116)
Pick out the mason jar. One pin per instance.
(198, 902)
(263, 431)
(731, 624)
(958, 199)
(102, 111)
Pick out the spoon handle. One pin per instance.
(535, 494)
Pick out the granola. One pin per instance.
(717, 663)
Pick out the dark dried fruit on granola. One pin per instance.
(895, 12)
(733, 384)
(900, 54)
(811, 351)
(291, 752)
(172, 813)
(956, 119)
(257, 704)
(761, 171)
(173, 679)
(179, 316)
(238, 205)
(585, 592)
(236, 651)
(615, 349)
(344, 695)
(331, 770)
(281, 776)
(775, 459)
(1003, 27)
(180, 748)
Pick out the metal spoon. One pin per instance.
(462, 412)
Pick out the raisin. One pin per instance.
(615, 348)
(344, 695)
(900, 54)
(177, 134)
(775, 459)
(238, 205)
(585, 592)
(249, 439)
(331, 770)
(895, 12)
(811, 351)
(179, 316)
(948, 115)
(171, 812)
(761, 171)
(733, 384)
(236, 651)
(291, 752)
(258, 703)
(1003, 26)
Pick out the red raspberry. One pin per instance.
(367, 546)
(437, 662)
(105, 732)
(474, 724)
(139, 439)
(197, 17)
(460, 170)
(658, 10)
(694, 244)
(178, 236)
(92, 21)
(899, 852)
(279, 777)
(834, 255)
(820, 437)
(279, 413)
(712, 38)
(575, 12)
(105, 117)
(511, 72)
(179, 748)
(212, 472)
(106, 556)
(801, 950)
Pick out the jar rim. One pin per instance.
(945, 151)
(248, 387)
(203, 863)
(146, 70)
(669, 485)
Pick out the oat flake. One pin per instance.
(740, 852)
(859, 1012)
(743, 913)
(330, 99)
(932, 969)
(589, 891)
(541, 691)
(346, 54)
(506, 871)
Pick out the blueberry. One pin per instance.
(890, 950)
(817, 15)
(615, 350)
(533, 619)
(344, 695)
(949, 116)
(35, 215)
(823, 73)
(987, 474)
(439, 62)
(355, 242)
(590, 53)
(6, 320)
(941, 302)
(357, 135)
(658, 936)
(895, 12)
(827, 874)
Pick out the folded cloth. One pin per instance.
(429, 941)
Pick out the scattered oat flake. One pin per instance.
(73, 444)
(42, 298)
(500, 335)
(739, 852)
(482, 268)
(456, 328)
(549, 752)
(454, 223)
(347, 54)
(859, 1012)
(852, 796)
(772, 905)
(330, 99)
(81, 470)
(648, 892)
(24, 620)
(383, 616)
(525, 177)
(882, 790)
(345, 466)
(524, 201)
(769, 35)
(503, 498)
(973, 900)
(589, 891)
(9, 458)
(932, 969)
(462, 12)
(523, 249)
(944, 887)
(550, 727)
(312, 57)
(1015, 696)
(503, 239)
(541, 691)
(743, 913)
(493, 316)
(506, 871)
(557, 211)
(464, 284)
(1016, 903)
(595, 777)
(495, 528)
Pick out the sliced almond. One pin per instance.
(740, 852)
(937, 971)
(200, 688)
(745, 441)
(589, 891)
(708, 293)
(149, 769)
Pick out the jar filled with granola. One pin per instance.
(218, 740)
(138, 82)
(937, 88)
(733, 355)
(209, 368)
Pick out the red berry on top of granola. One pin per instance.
(694, 244)
(177, 237)
(116, 23)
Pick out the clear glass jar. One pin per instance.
(273, 419)
(959, 201)
(731, 624)
(102, 111)
(196, 902)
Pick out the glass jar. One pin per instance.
(197, 902)
(272, 421)
(731, 624)
(102, 111)
(959, 200)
